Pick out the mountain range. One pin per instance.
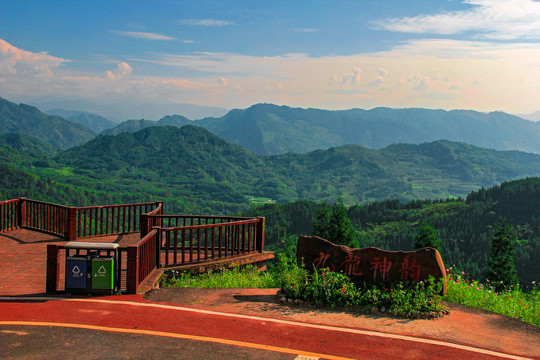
(268, 129)
(53, 130)
(194, 160)
(253, 156)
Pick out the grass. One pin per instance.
(329, 289)
(512, 302)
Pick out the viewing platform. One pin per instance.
(33, 235)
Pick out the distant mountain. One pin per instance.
(94, 122)
(136, 125)
(53, 130)
(535, 116)
(121, 111)
(269, 129)
(193, 159)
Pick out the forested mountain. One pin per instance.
(27, 144)
(197, 162)
(94, 122)
(136, 125)
(464, 226)
(271, 129)
(53, 130)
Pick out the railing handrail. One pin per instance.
(144, 239)
(203, 217)
(192, 227)
(113, 206)
(45, 203)
(157, 209)
(9, 201)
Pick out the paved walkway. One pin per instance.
(131, 327)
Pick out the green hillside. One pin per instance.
(53, 130)
(198, 164)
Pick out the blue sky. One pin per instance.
(464, 54)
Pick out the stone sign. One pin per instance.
(371, 265)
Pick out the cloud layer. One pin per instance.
(430, 73)
(490, 19)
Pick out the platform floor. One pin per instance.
(23, 259)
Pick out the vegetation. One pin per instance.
(334, 225)
(329, 289)
(464, 226)
(501, 263)
(427, 237)
(511, 302)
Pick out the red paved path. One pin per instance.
(298, 338)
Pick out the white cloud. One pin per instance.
(122, 70)
(223, 82)
(353, 79)
(490, 19)
(15, 61)
(143, 35)
(206, 22)
(303, 30)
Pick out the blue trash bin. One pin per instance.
(76, 272)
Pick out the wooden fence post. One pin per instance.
(71, 233)
(22, 212)
(53, 262)
(260, 235)
(132, 276)
(158, 246)
(143, 223)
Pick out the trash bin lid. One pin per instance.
(90, 245)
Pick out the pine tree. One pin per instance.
(501, 263)
(321, 225)
(427, 237)
(334, 225)
(341, 229)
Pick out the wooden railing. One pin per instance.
(165, 240)
(142, 259)
(10, 215)
(112, 219)
(209, 239)
(45, 217)
(148, 221)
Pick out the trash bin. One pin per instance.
(91, 273)
(102, 273)
(76, 272)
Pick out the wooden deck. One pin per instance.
(23, 259)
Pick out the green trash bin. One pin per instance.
(103, 273)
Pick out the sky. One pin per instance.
(481, 55)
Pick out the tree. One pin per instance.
(501, 263)
(321, 225)
(427, 237)
(334, 225)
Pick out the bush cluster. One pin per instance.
(325, 288)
